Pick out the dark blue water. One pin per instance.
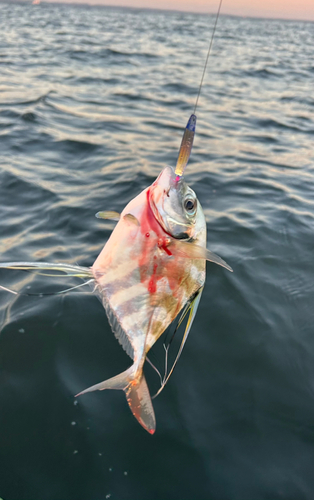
(93, 102)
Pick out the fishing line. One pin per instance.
(208, 52)
(188, 135)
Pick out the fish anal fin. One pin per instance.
(111, 215)
(191, 308)
(116, 327)
(192, 251)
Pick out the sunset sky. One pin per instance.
(285, 9)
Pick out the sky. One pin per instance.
(284, 9)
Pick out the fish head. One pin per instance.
(176, 207)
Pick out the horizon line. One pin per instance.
(154, 9)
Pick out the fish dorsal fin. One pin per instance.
(55, 269)
(131, 219)
(109, 215)
(117, 329)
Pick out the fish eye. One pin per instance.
(190, 205)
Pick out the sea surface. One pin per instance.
(93, 103)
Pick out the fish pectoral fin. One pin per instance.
(193, 251)
(132, 219)
(137, 394)
(212, 257)
(108, 215)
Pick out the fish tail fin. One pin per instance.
(139, 400)
(134, 385)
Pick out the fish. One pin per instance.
(151, 269)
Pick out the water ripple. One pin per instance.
(94, 103)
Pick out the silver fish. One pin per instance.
(151, 268)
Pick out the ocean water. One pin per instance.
(93, 102)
